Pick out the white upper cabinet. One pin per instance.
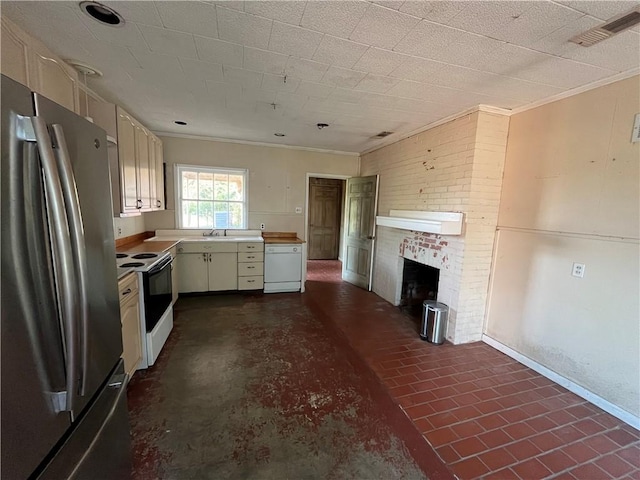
(15, 53)
(31, 63)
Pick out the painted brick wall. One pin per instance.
(458, 167)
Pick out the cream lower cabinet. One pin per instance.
(207, 267)
(174, 275)
(250, 266)
(192, 272)
(130, 319)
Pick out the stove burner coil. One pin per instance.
(145, 255)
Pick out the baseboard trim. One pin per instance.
(597, 400)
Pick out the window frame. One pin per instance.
(177, 173)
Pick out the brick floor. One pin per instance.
(486, 415)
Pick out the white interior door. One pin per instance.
(359, 230)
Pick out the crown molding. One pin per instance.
(503, 111)
(578, 90)
(437, 123)
(254, 144)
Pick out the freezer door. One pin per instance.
(31, 359)
(99, 445)
(100, 340)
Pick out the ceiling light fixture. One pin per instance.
(84, 68)
(279, 134)
(103, 14)
(180, 122)
(322, 125)
(383, 134)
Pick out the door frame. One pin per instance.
(306, 213)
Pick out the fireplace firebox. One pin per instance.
(419, 283)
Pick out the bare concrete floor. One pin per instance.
(258, 387)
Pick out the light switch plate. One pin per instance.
(635, 136)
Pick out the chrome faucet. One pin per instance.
(212, 233)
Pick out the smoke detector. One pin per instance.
(612, 27)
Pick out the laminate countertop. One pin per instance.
(283, 241)
(282, 238)
(153, 246)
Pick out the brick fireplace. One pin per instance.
(453, 167)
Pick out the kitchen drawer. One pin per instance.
(211, 246)
(250, 269)
(250, 283)
(250, 257)
(251, 247)
(128, 287)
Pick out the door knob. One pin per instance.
(370, 237)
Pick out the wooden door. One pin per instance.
(192, 272)
(359, 230)
(127, 162)
(325, 202)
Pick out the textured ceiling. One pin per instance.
(363, 67)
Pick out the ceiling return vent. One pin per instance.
(614, 25)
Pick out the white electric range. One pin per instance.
(156, 312)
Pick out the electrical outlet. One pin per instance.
(298, 209)
(119, 231)
(262, 226)
(578, 270)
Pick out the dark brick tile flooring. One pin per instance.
(486, 415)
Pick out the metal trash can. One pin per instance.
(434, 321)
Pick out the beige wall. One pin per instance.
(571, 194)
(277, 178)
(456, 166)
(125, 227)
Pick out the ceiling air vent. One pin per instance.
(382, 134)
(614, 25)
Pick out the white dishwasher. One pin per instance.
(282, 268)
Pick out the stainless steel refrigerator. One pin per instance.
(63, 395)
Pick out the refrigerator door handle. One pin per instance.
(76, 228)
(63, 264)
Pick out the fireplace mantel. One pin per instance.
(444, 223)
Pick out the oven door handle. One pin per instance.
(161, 266)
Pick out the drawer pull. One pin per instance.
(251, 256)
(250, 281)
(126, 292)
(250, 267)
